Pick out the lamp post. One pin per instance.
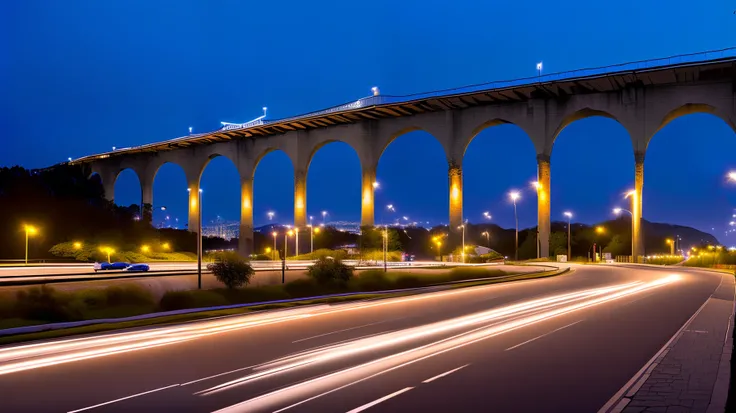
(488, 238)
(286, 242)
(30, 230)
(311, 236)
(568, 214)
(270, 215)
(618, 211)
(462, 254)
(671, 243)
(439, 251)
(324, 214)
(514, 195)
(274, 245)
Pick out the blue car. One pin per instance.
(104, 266)
(138, 268)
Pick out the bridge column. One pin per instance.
(108, 185)
(147, 200)
(300, 199)
(455, 174)
(543, 205)
(637, 238)
(367, 212)
(245, 239)
(194, 205)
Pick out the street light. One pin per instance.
(324, 214)
(145, 248)
(514, 195)
(463, 253)
(568, 214)
(30, 230)
(312, 231)
(274, 244)
(488, 238)
(672, 246)
(376, 184)
(731, 176)
(270, 215)
(108, 251)
(287, 234)
(439, 251)
(618, 211)
(166, 246)
(487, 215)
(77, 245)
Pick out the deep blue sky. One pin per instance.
(78, 77)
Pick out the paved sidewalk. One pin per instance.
(691, 373)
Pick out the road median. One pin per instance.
(61, 329)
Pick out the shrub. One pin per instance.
(408, 281)
(231, 269)
(326, 271)
(470, 273)
(491, 256)
(180, 300)
(377, 255)
(371, 280)
(44, 303)
(252, 295)
(304, 287)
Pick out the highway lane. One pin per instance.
(561, 344)
(51, 271)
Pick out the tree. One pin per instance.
(328, 270)
(373, 238)
(558, 244)
(231, 269)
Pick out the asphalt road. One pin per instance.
(563, 344)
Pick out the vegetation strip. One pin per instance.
(200, 313)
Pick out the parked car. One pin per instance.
(138, 268)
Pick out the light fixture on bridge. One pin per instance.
(376, 184)
(375, 91)
(113, 148)
(539, 68)
(190, 130)
(732, 176)
(265, 109)
(70, 159)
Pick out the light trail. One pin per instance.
(329, 383)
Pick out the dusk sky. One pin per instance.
(79, 77)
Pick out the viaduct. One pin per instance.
(642, 96)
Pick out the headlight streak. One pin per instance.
(337, 380)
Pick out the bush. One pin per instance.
(377, 255)
(231, 269)
(303, 287)
(371, 280)
(470, 273)
(180, 300)
(320, 254)
(44, 303)
(408, 281)
(326, 271)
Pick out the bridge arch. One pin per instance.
(693, 108)
(343, 172)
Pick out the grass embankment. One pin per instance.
(92, 252)
(41, 305)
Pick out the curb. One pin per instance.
(71, 324)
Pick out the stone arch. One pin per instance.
(476, 130)
(583, 113)
(117, 174)
(391, 137)
(689, 109)
(346, 191)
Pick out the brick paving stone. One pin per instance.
(684, 376)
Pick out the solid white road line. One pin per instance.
(122, 398)
(218, 375)
(447, 373)
(338, 331)
(382, 399)
(543, 335)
